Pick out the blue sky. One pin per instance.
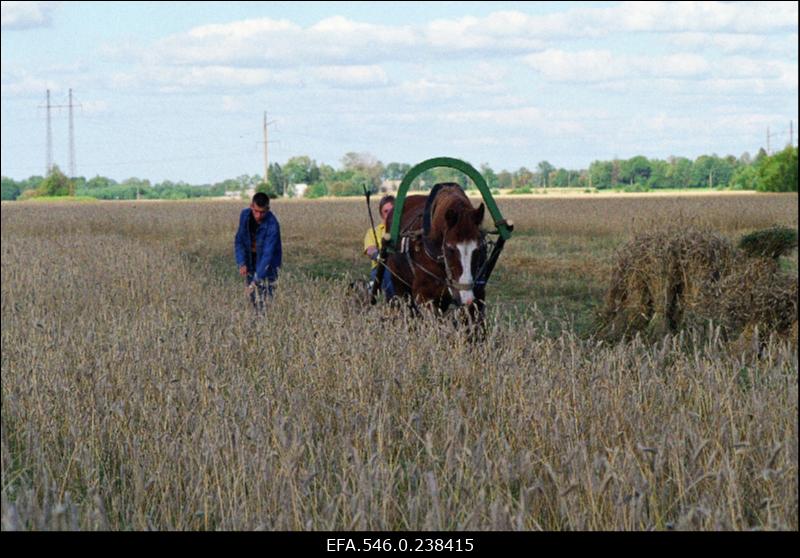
(177, 90)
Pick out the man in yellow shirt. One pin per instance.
(373, 249)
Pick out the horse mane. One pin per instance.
(427, 213)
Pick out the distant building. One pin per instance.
(297, 190)
(240, 194)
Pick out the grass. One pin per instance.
(139, 392)
(60, 199)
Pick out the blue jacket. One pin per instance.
(268, 246)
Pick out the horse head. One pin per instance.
(455, 228)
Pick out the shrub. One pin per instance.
(316, 190)
(778, 173)
(56, 184)
(769, 243)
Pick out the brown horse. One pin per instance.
(440, 249)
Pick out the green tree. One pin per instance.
(301, 170)
(492, 181)
(31, 183)
(100, 182)
(601, 174)
(745, 178)
(316, 190)
(326, 173)
(277, 179)
(745, 159)
(10, 189)
(544, 170)
(396, 171)
(778, 173)
(505, 179)
(367, 165)
(561, 178)
(710, 171)
(267, 188)
(702, 172)
(141, 187)
(635, 170)
(79, 182)
(659, 171)
(446, 174)
(56, 184)
(616, 169)
(523, 178)
(679, 174)
(350, 187)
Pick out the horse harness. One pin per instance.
(410, 239)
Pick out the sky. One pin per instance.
(178, 90)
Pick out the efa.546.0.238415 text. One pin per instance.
(400, 545)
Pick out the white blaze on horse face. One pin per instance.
(465, 250)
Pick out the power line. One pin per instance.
(71, 139)
(266, 148)
(779, 133)
(49, 140)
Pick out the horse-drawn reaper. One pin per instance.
(437, 251)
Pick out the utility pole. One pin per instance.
(49, 138)
(266, 149)
(50, 134)
(71, 139)
(791, 133)
(768, 140)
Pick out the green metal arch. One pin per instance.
(466, 168)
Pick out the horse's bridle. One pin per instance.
(453, 286)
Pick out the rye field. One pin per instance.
(139, 390)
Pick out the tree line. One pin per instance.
(769, 173)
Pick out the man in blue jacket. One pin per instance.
(257, 246)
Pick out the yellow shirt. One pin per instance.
(369, 239)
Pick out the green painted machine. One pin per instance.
(503, 228)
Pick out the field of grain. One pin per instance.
(140, 392)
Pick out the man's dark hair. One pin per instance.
(261, 200)
(384, 200)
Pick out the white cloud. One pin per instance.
(663, 125)
(188, 78)
(26, 15)
(266, 43)
(588, 65)
(529, 117)
(280, 42)
(351, 76)
(177, 78)
(604, 65)
(23, 83)
(424, 89)
(724, 42)
(593, 66)
(738, 17)
(94, 107)
(463, 82)
(523, 116)
(232, 104)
